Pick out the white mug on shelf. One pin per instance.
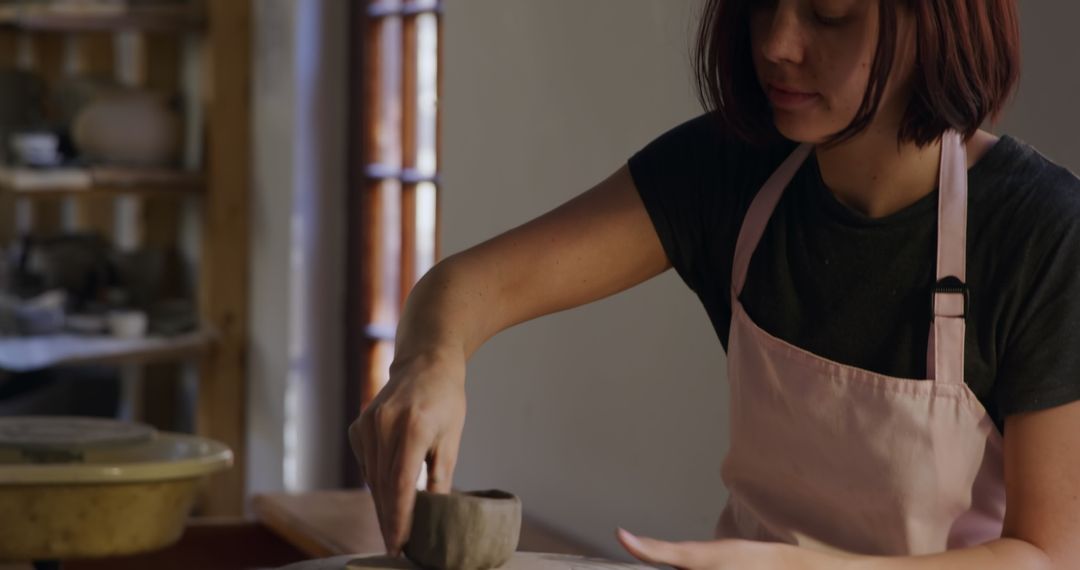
(127, 324)
(36, 148)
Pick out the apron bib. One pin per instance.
(830, 456)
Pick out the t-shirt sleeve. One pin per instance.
(675, 177)
(1040, 365)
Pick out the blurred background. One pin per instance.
(212, 211)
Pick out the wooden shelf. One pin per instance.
(24, 354)
(27, 181)
(213, 72)
(182, 18)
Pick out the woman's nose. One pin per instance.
(783, 38)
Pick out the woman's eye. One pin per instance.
(829, 20)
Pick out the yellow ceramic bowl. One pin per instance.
(115, 500)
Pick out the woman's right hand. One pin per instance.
(417, 417)
(593, 246)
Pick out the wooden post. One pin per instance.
(224, 280)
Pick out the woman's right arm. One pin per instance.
(597, 244)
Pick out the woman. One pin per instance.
(897, 295)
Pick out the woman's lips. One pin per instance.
(789, 99)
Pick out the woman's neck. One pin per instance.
(872, 175)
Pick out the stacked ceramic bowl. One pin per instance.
(87, 487)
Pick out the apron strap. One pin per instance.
(949, 300)
(945, 350)
(757, 217)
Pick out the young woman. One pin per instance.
(898, 293)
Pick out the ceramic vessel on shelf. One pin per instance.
(129, 127)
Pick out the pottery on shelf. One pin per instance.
(71, 94)
(464, 531)
(130, 127)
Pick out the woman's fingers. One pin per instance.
(357, 447)
(366, 451)
(685, 555)
(399, 447)
(406, 423)
(390, 437)
(441, 462)
(407, 462)
(371, 467)
(364, 438)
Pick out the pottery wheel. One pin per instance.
(65, 432)
(520, 561)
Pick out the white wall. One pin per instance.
(272, 97)
(1045, 113)
(295, 417)
(614, 413)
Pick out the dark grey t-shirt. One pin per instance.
(856, 290)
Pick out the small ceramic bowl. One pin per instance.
(464, 531)
(37, 148)
(128, 324)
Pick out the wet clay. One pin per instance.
(464, 531)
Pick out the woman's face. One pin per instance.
(813, 60)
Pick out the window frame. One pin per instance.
(393, 237)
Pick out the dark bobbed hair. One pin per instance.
(967, 63)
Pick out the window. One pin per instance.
(393, 179)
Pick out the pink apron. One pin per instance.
(830, 456)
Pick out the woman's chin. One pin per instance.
(801, 131)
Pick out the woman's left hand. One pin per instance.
(727, 554)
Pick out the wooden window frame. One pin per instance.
(393, 181)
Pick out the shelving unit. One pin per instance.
(100, 180)
(146, 19)
(203, 51)
(37, 352)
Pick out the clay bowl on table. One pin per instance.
(464, 531)
(88, 488)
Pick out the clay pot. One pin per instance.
(72, 94)
(464, 531)
(128, 127)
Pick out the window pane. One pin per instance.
(427, 38)
(425, 227)
(384, 93)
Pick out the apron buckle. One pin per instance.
(950, 285)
